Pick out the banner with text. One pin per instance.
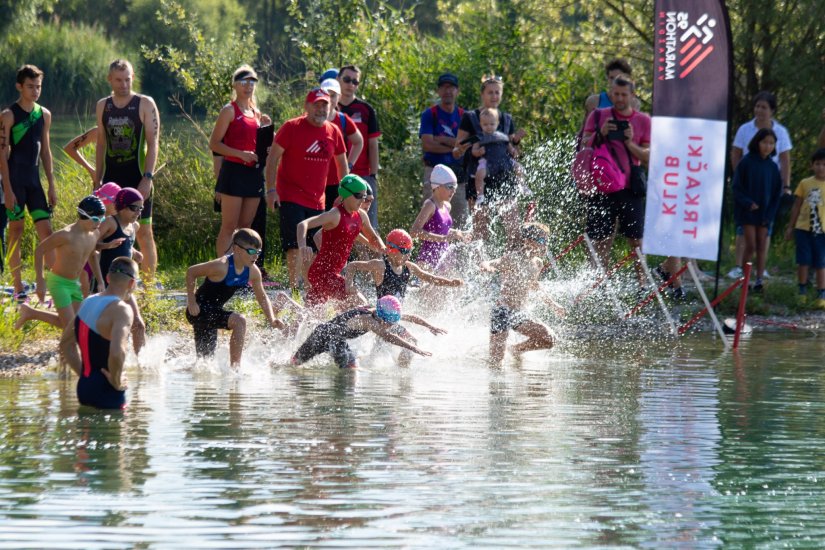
(686, 176)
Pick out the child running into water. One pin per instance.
(392, 273)
(331, 337)
(757, 189)
(433, 224)
(341, 226)
(91, 278)
(807, 226)
(223, 277)
(519, 270)
(118, 232)
(73, 245)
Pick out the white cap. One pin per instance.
(331, 85)
(442, 175)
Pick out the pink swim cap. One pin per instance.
(107, 192)
(388, 309)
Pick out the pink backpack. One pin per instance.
(596, 169)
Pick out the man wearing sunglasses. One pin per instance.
(362, 113)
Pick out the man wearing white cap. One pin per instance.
(300, 157)
(352, 138)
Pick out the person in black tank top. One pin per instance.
(24, 142)
(128, 129)
(117, 233)
(223, 277)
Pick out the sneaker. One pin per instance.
(735, 273)
(679, 294)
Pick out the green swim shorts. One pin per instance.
(64, 291)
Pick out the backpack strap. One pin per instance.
(343, 118)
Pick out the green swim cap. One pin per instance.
(350, 185)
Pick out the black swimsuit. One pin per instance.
(331, 337)
(394, 284)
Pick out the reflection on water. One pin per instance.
(608, 444)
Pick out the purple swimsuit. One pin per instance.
(431, 252)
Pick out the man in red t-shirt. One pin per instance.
(301, 154)
(349, 77)
(352, 138)
(630, 146)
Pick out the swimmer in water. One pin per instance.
(392, 273)
(519, 270)
(331, 337)
(434, 223)
(94, 344)
(223, 277)
(341, 226)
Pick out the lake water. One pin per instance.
(606, 441)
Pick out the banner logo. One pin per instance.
(681, 46)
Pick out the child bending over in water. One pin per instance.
(434, 223)
(519, 270)
(223, 277)
(392, 273)
(331, 337)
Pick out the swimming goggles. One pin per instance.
(250, 251)
(86, 215)
(401, 249)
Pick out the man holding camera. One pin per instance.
(628, 133)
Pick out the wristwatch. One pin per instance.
(148, 175)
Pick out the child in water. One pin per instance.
(341, 226)
(519, 270)
(331, 337)
(392, 273)
(757, 189)
(223, 277)
(434, 223)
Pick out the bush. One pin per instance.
(74, 58)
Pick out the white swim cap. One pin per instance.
(442, 175)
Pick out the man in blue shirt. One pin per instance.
(439, 126)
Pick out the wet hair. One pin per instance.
(767, 97)
(753, 146)
(28, 71)
(121, 65)
(353, 68)
(620, 64)
(819, 154)
(245, 71)
(623, 80)
(490, 112)
(246, 236)
(123, 268)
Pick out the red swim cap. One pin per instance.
(399, 242)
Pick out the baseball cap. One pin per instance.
(448, 78)
(331, 85)
(317, 94)
(442, 175)
(329, 73)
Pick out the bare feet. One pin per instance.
(25, 312)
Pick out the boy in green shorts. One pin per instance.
(73, 245)
(24, 142)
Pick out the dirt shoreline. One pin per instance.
(37, 355)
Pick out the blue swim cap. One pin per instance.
(388, 309)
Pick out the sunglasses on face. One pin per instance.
(250, 251)
(86, 216)
(247, 82)
(134, 207)
(350, 80)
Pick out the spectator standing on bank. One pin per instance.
(438, 131)
(352, 139)
(362, 113)
(300, 156)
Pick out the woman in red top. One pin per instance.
(241, 181)
(341, 226)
